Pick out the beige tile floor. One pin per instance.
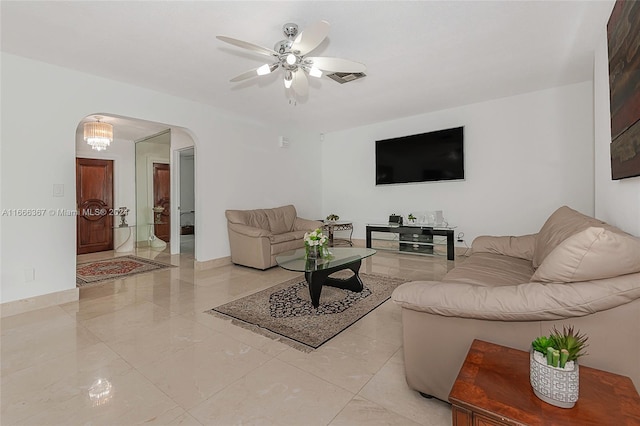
(141, 350)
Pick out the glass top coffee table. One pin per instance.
(317, 272)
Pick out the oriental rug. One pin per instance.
(284, 312)
(116, 268)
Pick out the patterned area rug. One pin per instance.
(284, 312)
(116, 268)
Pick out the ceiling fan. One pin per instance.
(291, 56)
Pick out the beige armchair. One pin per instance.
(256, 237)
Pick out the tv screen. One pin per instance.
(425, 157)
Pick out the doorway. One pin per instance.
(94, 195)
(187, 206)
(162, 199)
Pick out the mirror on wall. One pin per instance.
(153, 189)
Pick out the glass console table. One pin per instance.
(417, 239)
(127, 244)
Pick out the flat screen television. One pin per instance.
(432, 156)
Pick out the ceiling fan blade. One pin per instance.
(261, 70)
(311, 37)
(336, 64)
(300, 83)
(248, 46)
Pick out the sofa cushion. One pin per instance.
(521, 246)
(490, 270)
(281, 218)
(562, 224)
(530, 301)
(287, 236)
(592, 254)
(255, 218)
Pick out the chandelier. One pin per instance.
(98, 134)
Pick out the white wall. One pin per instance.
(238, 165)
(617, 201)
(525, 156)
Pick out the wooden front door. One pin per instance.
(161, 198)
(94, 196)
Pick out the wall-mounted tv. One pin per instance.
(425, 157)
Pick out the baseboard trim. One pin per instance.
(213, 263)
(38, 302)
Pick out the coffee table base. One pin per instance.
(317, 279)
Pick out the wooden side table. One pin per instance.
(493, 388)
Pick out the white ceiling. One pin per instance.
(421, 56)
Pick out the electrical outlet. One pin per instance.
(29, 274)
(58, 190)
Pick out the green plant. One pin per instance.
(561, 347)
(333, 217)
(411, 216)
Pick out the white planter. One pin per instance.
(556, 386)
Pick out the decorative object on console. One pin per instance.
(333, 217)
(554, 372)
(123, 212)
(395, 219)
(158, 214)
(623, 31)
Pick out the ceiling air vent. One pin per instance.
(345, 77)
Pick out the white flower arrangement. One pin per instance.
(315, 238)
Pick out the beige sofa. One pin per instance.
(256, 237)
(575, 271)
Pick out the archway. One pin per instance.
(127, 132)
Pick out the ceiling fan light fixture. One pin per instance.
(315, 72)
(264, 70)
(288, 79)
(291, 59)
(291, 56)
(98, 134)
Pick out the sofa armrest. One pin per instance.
(248, 231)
(521, 247)
(250, 246)
(530, 301)
(301, 224)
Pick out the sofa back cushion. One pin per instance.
(593, 254)
(255, 218)
(277, 220)
(281, 219)
(562, 224)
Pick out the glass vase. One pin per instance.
(313, 252)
